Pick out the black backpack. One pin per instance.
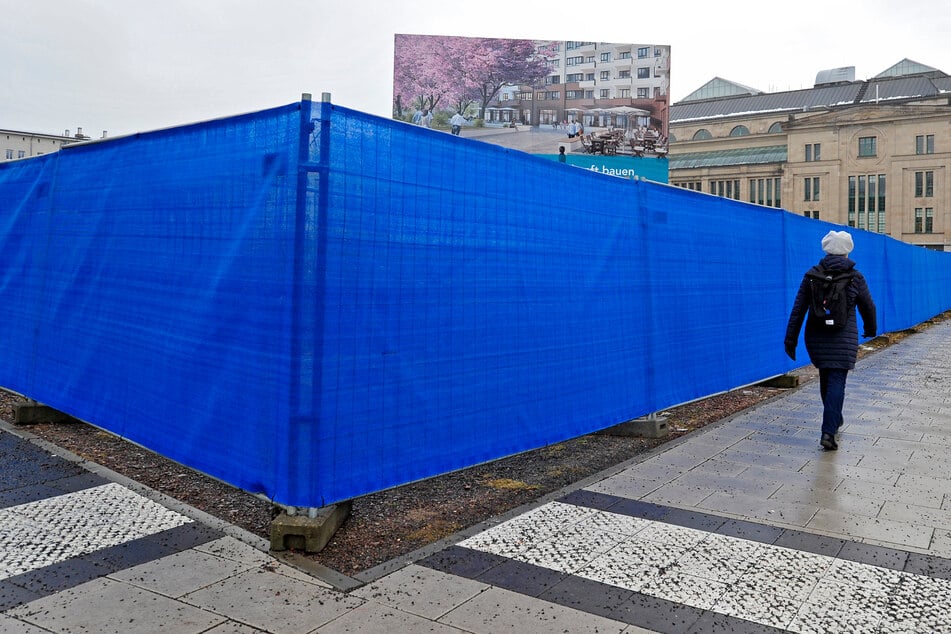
(829, 308)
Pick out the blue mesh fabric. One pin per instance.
(313, 303)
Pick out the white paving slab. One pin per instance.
(421, 591)
(105, 606)
(52, 530)
(273, 602)
(763, 583)
(497, 610)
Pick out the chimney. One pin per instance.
(79, 133)
(103, 134)
(67, 133)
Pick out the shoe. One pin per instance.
(828, 442)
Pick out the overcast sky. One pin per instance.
(133, 65)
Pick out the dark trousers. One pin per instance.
(832, 390)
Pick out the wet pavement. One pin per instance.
(744, 526)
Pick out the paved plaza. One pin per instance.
(744, 526)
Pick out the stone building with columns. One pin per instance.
(872, 154)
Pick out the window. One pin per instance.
(811, 214)
(9, 154)
(866, 206)
(643, 93)
(766, 191)
(624, 93)
(521, 96)
(589, 77)
(924, 219)
(574, 94)
(811, 184)
(589, 94)
(552, 95)
(624, 74)
(605, 75)
(812, 152)
(658, 52)
(702, 134)
(868, 146)
(740, 130)
(21, 153)
(624, 55)
(573, 61)
(644, 73)
(574, 77)
(604, 93)
(776, 128)
(924, 184)
(924, 144)
(643, 52)
(553, 79)
(605, 57)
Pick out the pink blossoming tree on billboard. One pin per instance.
(433, 72)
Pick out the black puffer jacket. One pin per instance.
(833, 348)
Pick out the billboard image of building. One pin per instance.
(598, 105)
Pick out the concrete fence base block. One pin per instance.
(647, 427)
(784, 381)
(310, 534)
(31, 412)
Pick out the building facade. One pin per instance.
(585, 80)
(872, 154)
(15, 144)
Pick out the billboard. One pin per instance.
(587, 104)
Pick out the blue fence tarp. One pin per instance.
(313, 303)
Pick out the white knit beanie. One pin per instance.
(837, 243)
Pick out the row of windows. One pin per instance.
(691, 185)
(643, 52)
(603, 93)
(868, 145)
(578, 60)
(741, 130)
(20, 154)
(924, 186)
(924, 144)
(766, 191)
(604, 75)
(763, 191)
(726, 188)
(866, 206)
